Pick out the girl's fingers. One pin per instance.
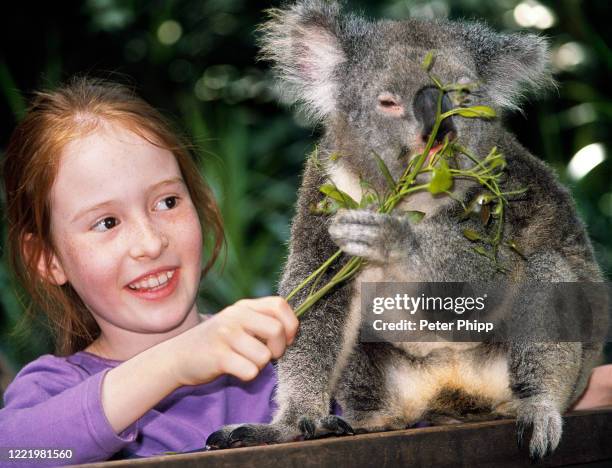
(269, 329)
(252, 349)
(235, 364)
(278, 307)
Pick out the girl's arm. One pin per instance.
(53, 404)
(56, 405)
(240, 340)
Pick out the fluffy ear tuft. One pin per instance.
(511, 65)
(303, 43)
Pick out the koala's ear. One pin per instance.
(510, 65)
(303, 42)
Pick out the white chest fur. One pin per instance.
(423, 201)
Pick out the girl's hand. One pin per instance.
(599, 390)
(240, 340)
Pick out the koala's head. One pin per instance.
(363, 79)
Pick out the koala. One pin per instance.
(362, 81)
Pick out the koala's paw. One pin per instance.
(545, 423)
(262, 434)
(325, 427)
(362, 233)
(246, 435)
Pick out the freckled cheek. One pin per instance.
(92, 270)
(188, 233)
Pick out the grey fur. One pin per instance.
(338, 84)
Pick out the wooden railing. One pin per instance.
(587, 440)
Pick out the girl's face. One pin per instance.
(127, 237)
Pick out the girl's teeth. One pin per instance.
(153, 281)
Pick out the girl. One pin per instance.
(107, 215)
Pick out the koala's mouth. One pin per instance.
(447, 130)
(434, 149)
(437, 146)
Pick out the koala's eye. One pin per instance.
(390, 105)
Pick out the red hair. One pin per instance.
(30, 167)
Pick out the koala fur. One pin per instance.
(337, 67)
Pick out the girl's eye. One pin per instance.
(105, 224)
(167, 203)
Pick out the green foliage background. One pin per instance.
(253, 150)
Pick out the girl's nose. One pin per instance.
(148, 242)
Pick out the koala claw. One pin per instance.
(245, 435)
(546, 426)
(366, 234)
(307, 427)
(327, 426)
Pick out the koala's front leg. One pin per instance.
(308, 369)
(306, 373)
(376, 237)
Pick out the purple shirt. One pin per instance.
(55, 403)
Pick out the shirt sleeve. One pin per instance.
(52, 404)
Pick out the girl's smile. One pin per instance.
(128, 238)
(155, 286)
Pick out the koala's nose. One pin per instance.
(425, 105)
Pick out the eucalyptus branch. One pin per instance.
(486, 171)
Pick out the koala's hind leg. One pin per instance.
(363, 395)
(543, 375)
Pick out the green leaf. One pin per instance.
(385, 172)
(344, 199)
(334, 156)
(471, 235)
(429, 60)
(484, 112)
(482, 251)
(495, 162)
(367, 199)
(512, 244)
(415, 216)
(441, 179)
(314, 157)
(497, 211)
(326, 206)
(493, 153)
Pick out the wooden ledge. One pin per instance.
(587, 439)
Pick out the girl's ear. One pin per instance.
(56, 273)
(49, 265)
